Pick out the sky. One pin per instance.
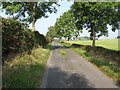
(42, 24)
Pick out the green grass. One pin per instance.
(62, 52)
(109, 44)
(113, 71)
(25, 71)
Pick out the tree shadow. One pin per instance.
(54, 47)
(58, 78)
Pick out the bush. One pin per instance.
(11, 30)
(49, 39)
(26, 41)
(40, 39)
(16, 39)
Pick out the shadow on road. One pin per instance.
(54, 47)
(58, 78)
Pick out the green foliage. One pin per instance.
(16, 39)
(40, 39)
(11, 30)
(49, 39)
(65, 26)
(20, 8)
(95, 16)
(51, 34)
(118, 37)
(29, 11)
(62, 52)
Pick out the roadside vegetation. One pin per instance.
(24, 55)
(109, 44)
(25, 71)
(24, 51)
(108, 65)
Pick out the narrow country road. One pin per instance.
(72, 71)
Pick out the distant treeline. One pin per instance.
(16, 37)
(86, 38)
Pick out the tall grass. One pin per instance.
(25, 71)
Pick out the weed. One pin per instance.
(62, 52)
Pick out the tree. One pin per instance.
(29, 11)
(95, 16)
(65, 26)
(58, 28)
(51, 32)
(118, 37)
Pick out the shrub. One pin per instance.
(16, 39)
(11, 30)
(49, 39)
(40, 39)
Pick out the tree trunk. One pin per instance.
(65, 38)
(94, 35)
(68, 39)
(33, 16)
(33, 25)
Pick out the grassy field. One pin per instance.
(107, 66)
(25, 71)
(109, 44)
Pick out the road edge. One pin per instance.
(45, 75)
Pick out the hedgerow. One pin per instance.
(17, 39)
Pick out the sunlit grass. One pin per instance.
(109, 44)
(62, 52)
(25, 71)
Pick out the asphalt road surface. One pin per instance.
(72, 71)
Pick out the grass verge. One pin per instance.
(110, 69)
(25, 71)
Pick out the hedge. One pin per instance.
(16, 39)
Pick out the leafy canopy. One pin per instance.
(65, 26)
(24, 10)
(51, 32)
(97, 14)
